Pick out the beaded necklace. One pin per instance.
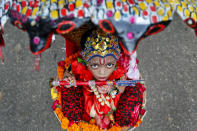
(101, 98)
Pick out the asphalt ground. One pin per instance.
(167, 61)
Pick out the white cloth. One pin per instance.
(133, 71)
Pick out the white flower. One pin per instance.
(107, 97)
(113, 93)
(96, 93)
(113, 96)
(107, 103)
(97, 96)
(100, 100)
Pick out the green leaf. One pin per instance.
(82, 61)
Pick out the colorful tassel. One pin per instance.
(37, 62)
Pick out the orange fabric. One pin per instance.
(59, 97)
(71, 58)
(60, 72)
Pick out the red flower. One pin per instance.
(86, 117)
(61, 63)
(142, 111)
(80, 70)
(119, 72)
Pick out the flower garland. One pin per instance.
(81, 125)
(62, 65)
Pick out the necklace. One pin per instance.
(101, 98)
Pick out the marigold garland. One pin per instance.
(70, 58)
(62, 65)
(138, 123)
(92, 121)
(60, 72)
(82, 125)
(60, 115)
(57, 110)
(64, 123)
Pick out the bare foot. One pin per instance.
(102, 122)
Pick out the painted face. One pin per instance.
(102, 68)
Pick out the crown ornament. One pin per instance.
(101, 44)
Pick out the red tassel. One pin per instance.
(1, 45)
(1, 55)
(37, 62)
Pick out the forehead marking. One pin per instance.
(102, 61)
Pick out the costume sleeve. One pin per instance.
(130, 106)
(72, 103)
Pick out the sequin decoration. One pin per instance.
(130, 35)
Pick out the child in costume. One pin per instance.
(101, 60)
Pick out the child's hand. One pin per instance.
(104, 89)
(68, 78)
(122, 88)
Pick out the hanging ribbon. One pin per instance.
(37, 62)
(1, 43)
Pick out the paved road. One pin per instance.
(168, 62)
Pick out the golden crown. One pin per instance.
(101, 44)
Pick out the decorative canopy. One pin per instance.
(130, 20)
